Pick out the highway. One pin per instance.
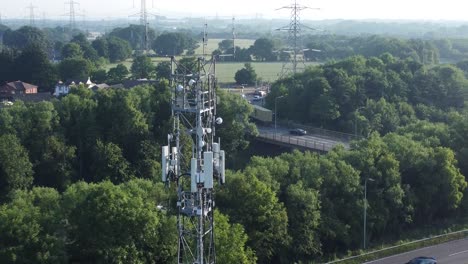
(454, 252)
(311, 141)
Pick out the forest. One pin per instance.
(80, 175)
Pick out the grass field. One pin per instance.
(225, 71)
(213, 45)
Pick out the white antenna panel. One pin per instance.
(165, 162)
(208, 169)
(222, 158)
(193, 175)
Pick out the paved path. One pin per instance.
(454, 252)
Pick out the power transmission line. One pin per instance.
(72, 13)
(31, 14)
(294, 29)
(143, 14)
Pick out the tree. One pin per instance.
(230, 242)
(7, 58)
(25, 36)
(236, 127)
(173, 43)
(75, 69)
(32, 228)
(99, 76)
(135, 35)
(246, 75)
(253, 204)
(117, 74)
(109, 164)
(262, 50)
(142, 68)
(72, 50)
(16, 169)
(33, 66)
(163, 70)
(88, 51)
(127, 228)
(119, 49)
(101, 46)
(303, 208)
(55, 166)
(225, 45)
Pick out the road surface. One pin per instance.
(454, 252)
(314, 141)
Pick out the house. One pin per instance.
(17, 87)
(63, 88)
(8, 90)
(98, 87)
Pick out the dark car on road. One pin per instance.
(422, 260)
(298, 132)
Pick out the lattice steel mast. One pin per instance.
(144, 14)
(31, 8)
(194, 112)
(294, 30)
(72, 14)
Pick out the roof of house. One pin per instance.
(100, 86)
(76, 82)
(18, 86)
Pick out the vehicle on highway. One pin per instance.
(257, 98)
(422, 260)
(298, 132)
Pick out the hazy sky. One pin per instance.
(329, 9)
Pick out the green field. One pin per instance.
(225, 71)
(213, 45)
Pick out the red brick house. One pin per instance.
(18, 87)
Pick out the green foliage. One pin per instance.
(134, 35)
(72, 50)
(99, 76)
(173, 43)
(253, 204)
(16, 169)
(25, 36)
(163, 70)
(111, 223)
(117, 74)
(230, 242)
(236, 128)
(32, 228)
(363, 95)
(75, 69)
(262, 50)
(119, 49)
(142, 67)
(33, 66)
(246, 75)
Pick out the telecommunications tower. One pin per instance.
(295, 49)
(194, 175)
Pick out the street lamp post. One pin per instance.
(365, 210)
(275, 109)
